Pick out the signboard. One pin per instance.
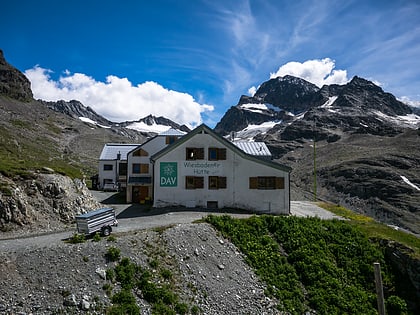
(202, 168)
(168, 174)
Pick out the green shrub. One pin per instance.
(195, 310)
(396, 306)
(181, 308)
(77, 238)
(111, 238)
(162, 309)
(154, 263)
(113, 254)
(125, 273)
(166, 274)
(96, 237)
(124, 303)
(110, 274)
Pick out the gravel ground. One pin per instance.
(45, 275)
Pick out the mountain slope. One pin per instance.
(367, 152)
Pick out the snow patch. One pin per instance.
(143, 127)
(252, 130)
(259, 108)
(405, 179)
(329, 102)
(409, 121)
(90, 121)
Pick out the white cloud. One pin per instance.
(409, 101)
(252, 90)
(318, 72)
(117, 99)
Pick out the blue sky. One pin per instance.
(191, 60)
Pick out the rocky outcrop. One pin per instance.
(42, 202)
(13, 83)
(407, 267)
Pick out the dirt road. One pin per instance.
(133, 217)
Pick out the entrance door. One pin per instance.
(140, 193)
(144, 192)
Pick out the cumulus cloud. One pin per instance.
(318, 72)
(118, 99)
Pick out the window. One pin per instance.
(122, 169)
(170, 139)
(108, 167)
(216, 182)
(140, 152)
(139, 168)
(217, 154)
(266, 182)
(194, 153)
(194, 182)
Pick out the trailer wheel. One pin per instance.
(106, 231)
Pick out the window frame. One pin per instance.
(194, 182)
(108, 167)
(266, 182)
(192, 154)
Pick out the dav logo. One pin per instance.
(168, 174)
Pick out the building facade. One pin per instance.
(140, 170)
(113, 165)
(202, 169)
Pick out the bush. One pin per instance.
(396, 306)
(77, 238)
(125, 303)
(96, 237)
(113, 254)
(111, 238)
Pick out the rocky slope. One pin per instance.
(60, 278)
(41, 202)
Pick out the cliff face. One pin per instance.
(40, 202)
(13, 83)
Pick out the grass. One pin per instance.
(26, 154)
(374, 229)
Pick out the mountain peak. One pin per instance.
(13, 83)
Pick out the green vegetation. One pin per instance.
(308, 263)
(374, 229)
(156, 288)
(76, 239)
(25, 155)
(96, 237)
(113, 254)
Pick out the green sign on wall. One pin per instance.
(168, 174)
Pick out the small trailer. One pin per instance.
(100, 220)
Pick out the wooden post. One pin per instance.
(379, 289)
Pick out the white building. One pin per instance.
(202, 169)
(113, 164)
(140, 171)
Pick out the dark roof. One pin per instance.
(230, 145)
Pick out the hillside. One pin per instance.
(247, 266)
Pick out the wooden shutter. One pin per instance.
(222, 182)
(253, 183)
(279, 182)
(199, 153)
(199, 182)
(222, 154)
